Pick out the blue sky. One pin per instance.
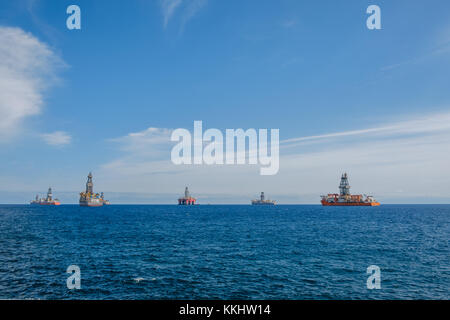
(71, 100)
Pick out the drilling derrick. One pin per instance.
(49, 194)
(344, 187)
(89, 184)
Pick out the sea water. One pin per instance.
(224, 252)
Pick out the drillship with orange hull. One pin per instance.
(48, 201)
(89, 198)
(344, 198)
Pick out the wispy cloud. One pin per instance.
(148, 143)
(440, 47)
(57, 138)
(27, 68)
(291, 62)
(193, 6)
(425, 124)
(141, 141)
(168, 9)
(187, 8)
(289, 23)
(51, 32)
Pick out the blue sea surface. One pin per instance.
(225, 252)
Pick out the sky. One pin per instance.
(105, 98)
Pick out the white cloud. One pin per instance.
(148, 143)
(57, 138)
(188, 8)
(192, 8)
(289, 23)
(168, 8)
(27, 69)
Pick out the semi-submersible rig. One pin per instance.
(344, 198)
(187, 200)
(89, 198)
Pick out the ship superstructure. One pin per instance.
(345, 198)
(262, 201)
(47, 201)
(89, 198)
(187, 200)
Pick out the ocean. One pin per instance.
(224, 251)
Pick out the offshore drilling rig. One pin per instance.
(89, 198)
(48, 201)
(262, 201)
(187, 200)
(345, 198)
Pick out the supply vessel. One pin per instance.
(344, 198)
(262, 201)
(47, 201)
(89, 198)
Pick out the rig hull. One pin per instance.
(90, 204)
(265, 203)
(53, 203)
(350, 204)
